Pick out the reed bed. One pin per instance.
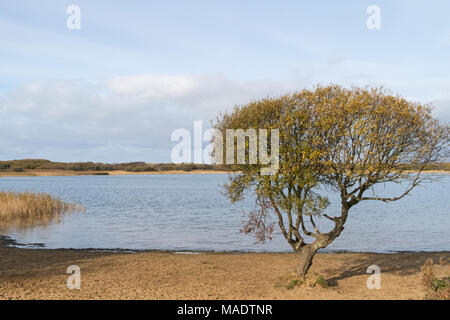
(26, 210)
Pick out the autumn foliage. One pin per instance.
(347, 140)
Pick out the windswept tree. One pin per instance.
(347, 140)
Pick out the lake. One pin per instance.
(188, 212)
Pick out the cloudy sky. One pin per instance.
(115, 89)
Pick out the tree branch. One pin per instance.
(308, 233)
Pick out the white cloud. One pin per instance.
(132, 117)
(123, 119)
(152, 86)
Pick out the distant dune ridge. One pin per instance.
(42, 167)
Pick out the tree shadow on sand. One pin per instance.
(404, 263)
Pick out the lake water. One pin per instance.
(188, 212)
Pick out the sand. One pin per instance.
(41, 274)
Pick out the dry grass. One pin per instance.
(436, 289)
(291, 280)
(25, 210)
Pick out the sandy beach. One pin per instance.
(41, 274)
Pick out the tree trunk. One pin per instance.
(306, 258)
(308, 252)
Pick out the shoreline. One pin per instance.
(8, 242)
(68, 173)
(41, 274)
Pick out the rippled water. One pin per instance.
(188, 212)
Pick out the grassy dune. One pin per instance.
(38, 167)
(26, 165)
(42, 167)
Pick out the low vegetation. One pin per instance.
(289, 281)
(25, 210)
(292, 280)
(429, 167)
(320, 281)
(41, 164)
(435, 288)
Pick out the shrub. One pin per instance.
(289, 281)
(435, 289)
(141, 169)
(4, 165)
(321, 282)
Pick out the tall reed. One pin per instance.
(26, 210)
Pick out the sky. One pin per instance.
(115, 89)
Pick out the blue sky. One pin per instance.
(137, 70)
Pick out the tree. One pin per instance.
(348, 140)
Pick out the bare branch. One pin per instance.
(314, 225)
(308, 233)
(334, 219)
